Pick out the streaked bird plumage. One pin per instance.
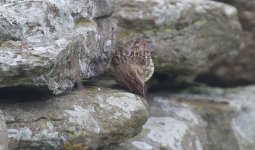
(132, 65)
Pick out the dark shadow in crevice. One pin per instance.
(166, 83)
(24, 94)
(214, 81)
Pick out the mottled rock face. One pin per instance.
(238, 68)
(3, 133)
(171, 126)
(243, 123)
(189, 36)
(198, 118)
(95, 116)
(51, 43)
(229, 113)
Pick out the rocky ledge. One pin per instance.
(94, 116)
(198, 118)
(189, 36)
(54, 43)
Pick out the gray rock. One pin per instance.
(103, 8)
(189, 36)
(94, 116)
(218, 114)
(238, 67)
(243, 123)
(3, 133)
(54, 43)
(171, 126)
(198, 118)
(229, 113)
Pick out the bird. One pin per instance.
(132, 65)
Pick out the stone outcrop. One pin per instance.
(189, 36)
(198, 118)
(54, 43)
(243, 122)
(94, 116)
(171, 126)
(229, 113)
(238, 67)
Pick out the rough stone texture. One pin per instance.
(218, 115)
(243, 123)
(229, 113)
(198, 118)
(94, 116)
(189, 36)
(238, 68)
(3, 133)
(171, 126)
(53, 43)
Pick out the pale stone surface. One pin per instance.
(94, 116)
(229, 113)
(243, 123)
(198, 118)
(3, 133)
(52, 43)
(171, 126)
(189, 36)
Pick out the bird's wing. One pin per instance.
(131, 77)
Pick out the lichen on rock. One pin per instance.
(81, 117)
(189, 36)
(52, 43)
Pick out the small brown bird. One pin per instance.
(132, 65)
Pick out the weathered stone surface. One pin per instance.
(171, 126)
(3, 133)
(229, 113)
(198, 118)
(103, 8)
(94, 116)
(243, 123)
(189, 36)
(51, 43)
(238, 68)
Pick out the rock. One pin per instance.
(171, 126)
(103, 8)
(229, 114)
(189, 36)
(54, 43)
(243, 122)
(94, 116)
(198, 118)
(3, 133)
(218, 116)
(238, 67)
